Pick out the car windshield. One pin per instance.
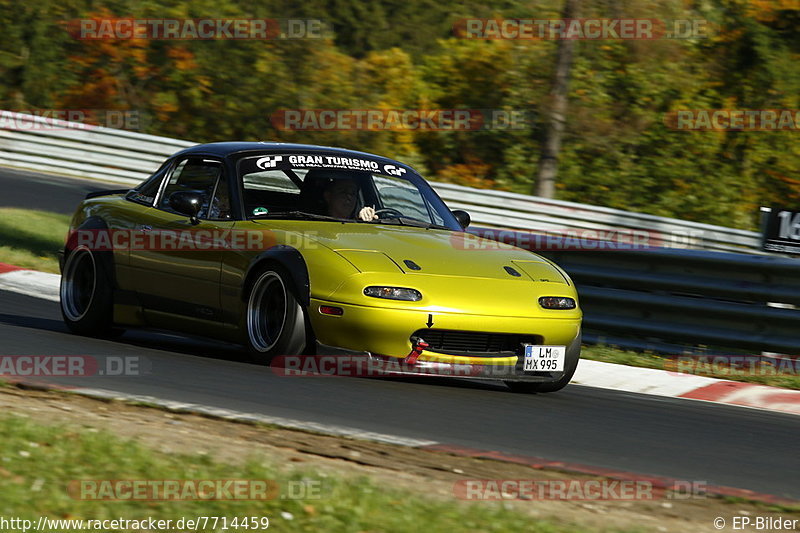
(322, 186)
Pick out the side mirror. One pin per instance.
(186, 203)
(462, 217)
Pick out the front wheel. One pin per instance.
(86, 293)
(274, 319)
(570, 365)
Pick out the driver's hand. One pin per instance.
(367, 214)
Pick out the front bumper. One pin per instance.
(334, 361)
(388, 330)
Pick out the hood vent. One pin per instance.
(411, 264)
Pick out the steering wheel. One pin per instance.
(389, 210)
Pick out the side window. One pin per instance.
(269, 180)
(146, 192)
(221, 203)
(270, 189)
(397, 193)
(203, 176)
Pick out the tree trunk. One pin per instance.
(551, 141)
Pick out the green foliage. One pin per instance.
(618, 150)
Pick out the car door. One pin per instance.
(177, 260)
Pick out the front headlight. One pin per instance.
(394, 293)
(557, 302)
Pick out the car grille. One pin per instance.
(475, 342)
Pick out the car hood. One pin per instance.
(415, 251)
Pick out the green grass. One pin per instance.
(38, 461)
(763, 375)
(771, 507)
(31, 239)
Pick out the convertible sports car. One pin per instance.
(299, 250)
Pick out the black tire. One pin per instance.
(274, 322)
(570, 365)
(87, 293)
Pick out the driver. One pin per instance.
(340, 197)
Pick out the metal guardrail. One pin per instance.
(83, 151)
(502, 209)
(664, 299)
(125, 157)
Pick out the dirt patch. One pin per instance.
(428, 473)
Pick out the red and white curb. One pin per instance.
(590, 373)
(29, 282)
(677, 385)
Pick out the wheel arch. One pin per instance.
(93, 222)
(106, 259)
(292, 262)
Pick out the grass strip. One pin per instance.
(37, 463)
(31, 238)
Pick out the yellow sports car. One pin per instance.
(310, 251)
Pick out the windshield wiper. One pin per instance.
(409, 221)
(302, 215)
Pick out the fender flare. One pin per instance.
(290, 259)
(91, 223)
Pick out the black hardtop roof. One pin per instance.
(224, 149)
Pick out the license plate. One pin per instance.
(544, 358)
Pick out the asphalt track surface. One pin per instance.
(34, 191)
(683, 439)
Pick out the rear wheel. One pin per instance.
(274, 319)
(570, 365)
(87, 296)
